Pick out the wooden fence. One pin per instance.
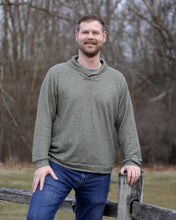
(129, 206)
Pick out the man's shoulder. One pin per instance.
(57, 70)
(115, 74)
(58, 67)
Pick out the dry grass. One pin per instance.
(159, 189)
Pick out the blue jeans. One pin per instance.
(91, 192)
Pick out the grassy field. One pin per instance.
(159, 189)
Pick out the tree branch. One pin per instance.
(157, 23)
(2, 92)
(37, 8)
(144, 18)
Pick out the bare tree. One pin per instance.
(141, 43)
(156, 76)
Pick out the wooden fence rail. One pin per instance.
(24, 197)
(129, 206)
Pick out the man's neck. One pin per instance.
(89, 62)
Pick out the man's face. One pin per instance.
(90, 38)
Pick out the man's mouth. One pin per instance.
(90, 42)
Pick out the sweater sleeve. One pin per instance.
(46, 112)
(126, 129)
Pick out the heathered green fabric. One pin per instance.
(76, 116)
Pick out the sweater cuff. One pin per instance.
(131, 162)
(41, 163)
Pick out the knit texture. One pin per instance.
(76, 117)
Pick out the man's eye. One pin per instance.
(85, 32)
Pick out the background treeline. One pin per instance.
(36, 34)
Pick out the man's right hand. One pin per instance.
(39, 177)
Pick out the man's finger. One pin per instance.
(135, 177)
(42, 180)
(35, 184)
(52, 173)
(129, 176)
(122, 170)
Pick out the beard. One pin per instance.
(86, 50)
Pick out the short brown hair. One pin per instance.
(90, 17)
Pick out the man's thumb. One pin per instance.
(122, 171)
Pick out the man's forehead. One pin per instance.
(90, 24)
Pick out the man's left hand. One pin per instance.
(133, 173)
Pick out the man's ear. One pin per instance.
(104, 36)
(76, 35)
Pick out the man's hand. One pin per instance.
(39, 177)
(133, 173)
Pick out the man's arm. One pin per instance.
(128, 137)
(46, 113)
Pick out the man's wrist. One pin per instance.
(41, 163)
(131, 163)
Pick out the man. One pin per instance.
(80, 103)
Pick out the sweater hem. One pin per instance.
(84, 167)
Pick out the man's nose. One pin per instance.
(90, 35)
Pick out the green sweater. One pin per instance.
(76, 117)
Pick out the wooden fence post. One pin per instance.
(127, 194)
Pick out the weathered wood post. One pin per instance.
(127, 194)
